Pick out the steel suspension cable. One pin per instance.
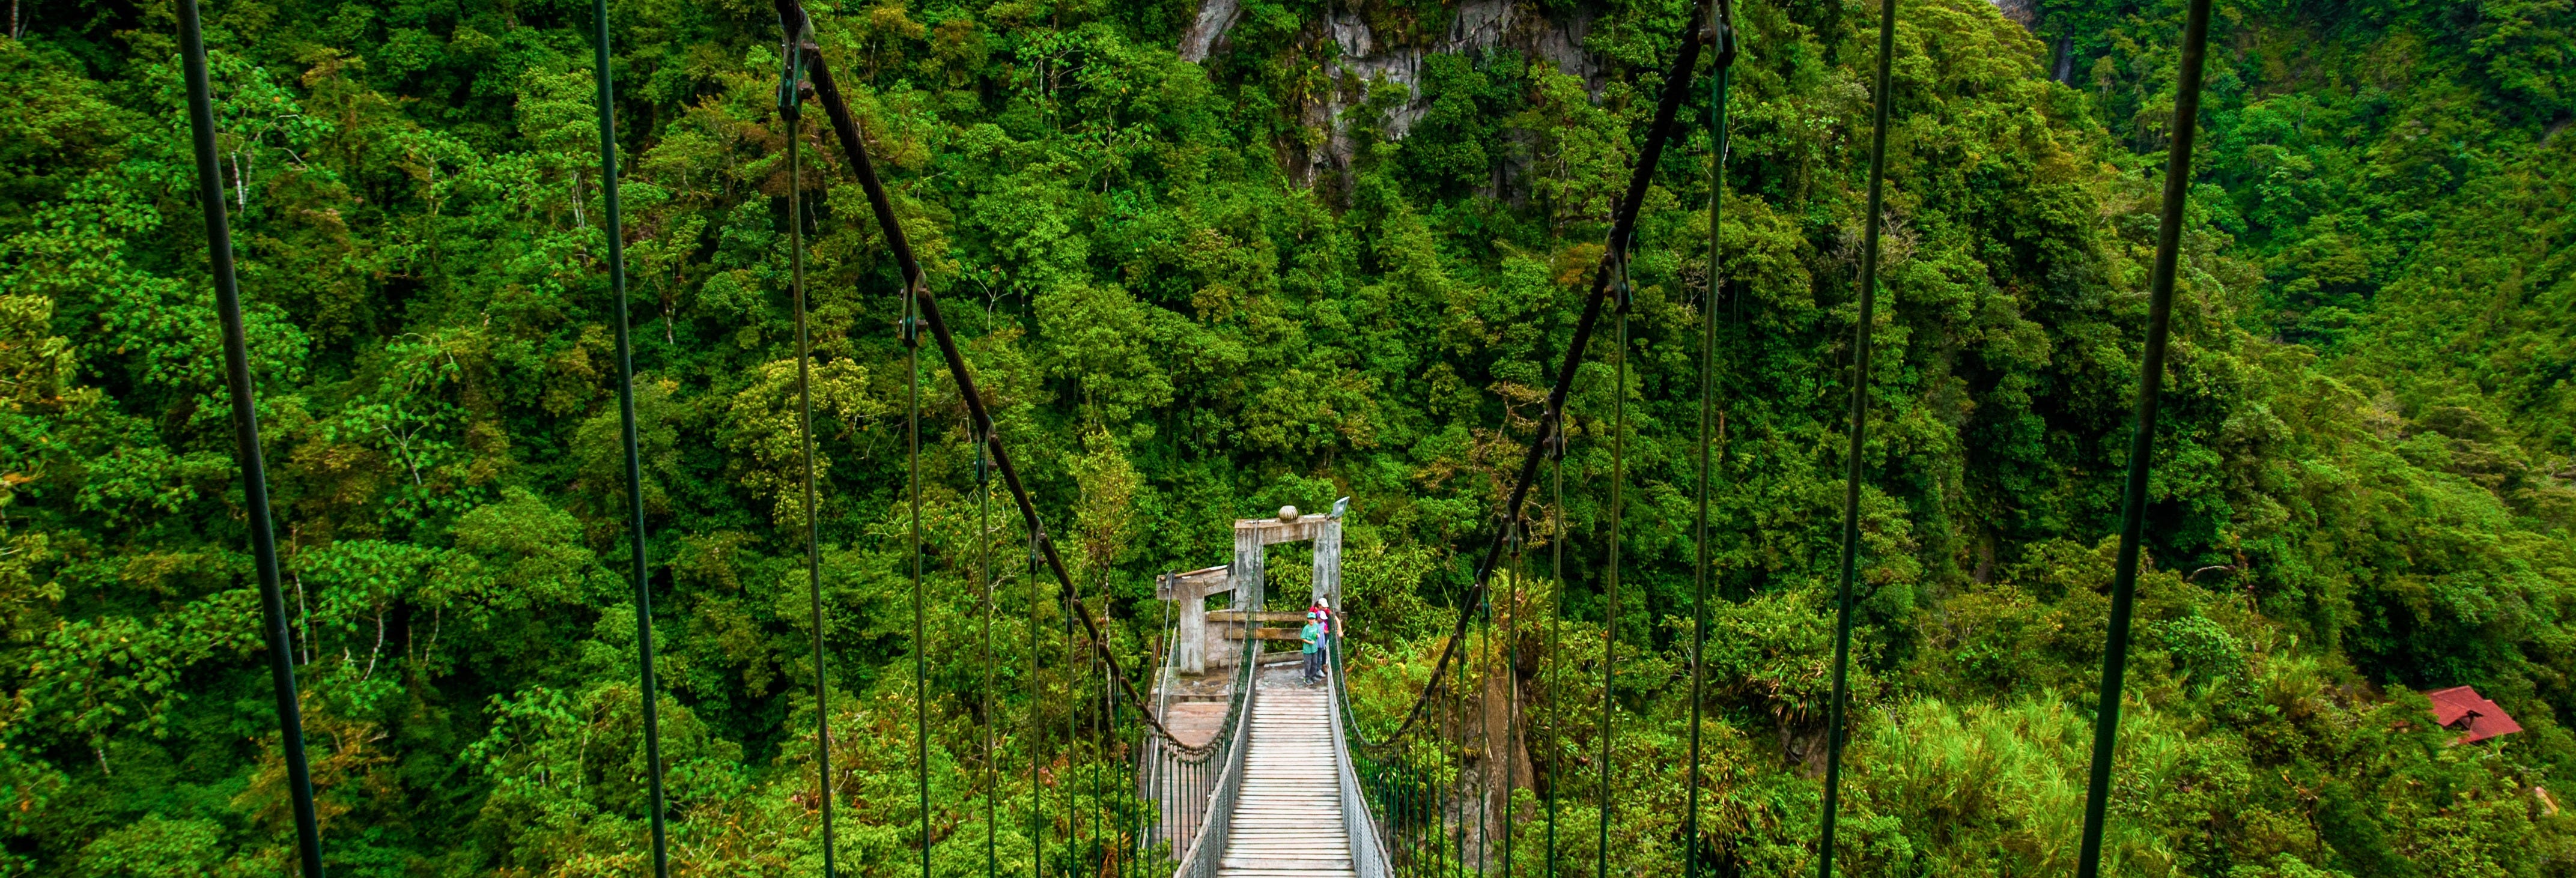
(1676, 83)
(1861, 332)
(1723, 31)
(1610, 594)
(845, 127)
(846, 130)
(2151, 375)
(616, 228)
(790, 111)
(243, 396)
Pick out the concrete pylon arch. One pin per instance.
(1246, 578)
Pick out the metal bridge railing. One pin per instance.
(1194, 787)
(1368, 853)
(1411, 793)
(1393, 793)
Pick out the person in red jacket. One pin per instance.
(1323, 609)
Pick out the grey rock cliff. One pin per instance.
(1365, 59)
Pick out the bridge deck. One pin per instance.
(1287, 820)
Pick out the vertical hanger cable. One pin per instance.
(2151, 375)
(1723, 31)
(1610, 591)
(245, 408)
(985, 578)
(790, 111)
(911, 337)
(1859, 431)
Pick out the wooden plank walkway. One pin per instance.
(1288, 818)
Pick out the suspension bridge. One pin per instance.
(1225, 764)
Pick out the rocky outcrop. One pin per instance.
(1214, 19)
(1365, 58)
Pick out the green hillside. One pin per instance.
(1197, 290)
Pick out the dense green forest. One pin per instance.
(1333, 250)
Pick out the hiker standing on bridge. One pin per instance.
(1313, 634)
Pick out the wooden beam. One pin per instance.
(1262, 616)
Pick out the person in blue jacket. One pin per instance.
(1313, 634)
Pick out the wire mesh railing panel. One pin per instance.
(1218, 771)
(1401, 791)
(1359, 825)
(1193, 786)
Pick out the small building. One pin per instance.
(2462, 709)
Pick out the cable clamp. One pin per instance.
(791, 80)
(910, 328)
(1621, 292)
(1721, 32)
(792, 49)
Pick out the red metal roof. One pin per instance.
(2462, 708)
